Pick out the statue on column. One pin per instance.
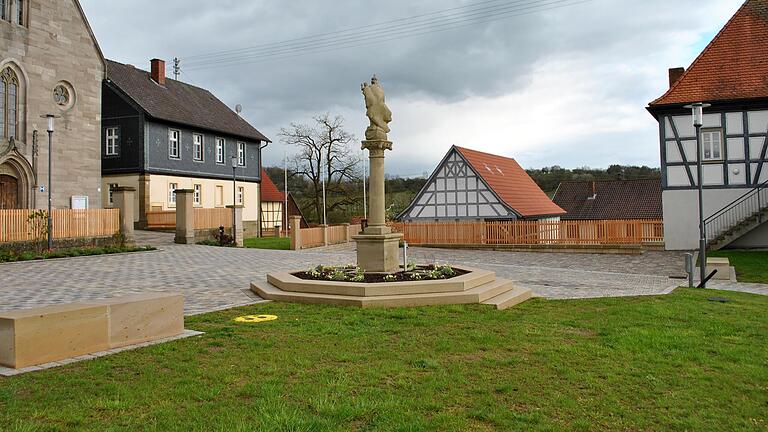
(376, 110)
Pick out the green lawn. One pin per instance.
(668, 363)
(268, 243)
(751, 266)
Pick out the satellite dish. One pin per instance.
(238, 108)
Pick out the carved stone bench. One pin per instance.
(41, 335)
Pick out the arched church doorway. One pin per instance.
(9, 192)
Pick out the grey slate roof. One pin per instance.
(612, 199)
(179, 102)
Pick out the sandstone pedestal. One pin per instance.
(378, 253)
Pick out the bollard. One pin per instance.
(405, 256)
(221, 235)
(689, 268)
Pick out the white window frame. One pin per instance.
(174, 143)
(198, 146)
(197, 196)
(221, 150)
(111, 137)
(240, 195)
(241, 153)
(707, 145)
(172, 194)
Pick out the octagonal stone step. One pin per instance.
(477, 294)
(473, 279)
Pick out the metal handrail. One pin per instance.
(737, 211)
(737, 201)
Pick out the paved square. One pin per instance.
(214, 278)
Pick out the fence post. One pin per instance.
(346, 233)
(325, 234)
(295, 229)
(123, 199)
(185, 217)
(237, 230)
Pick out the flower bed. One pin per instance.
(356, 274)
(15, 256)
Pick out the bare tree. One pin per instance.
(325, 150)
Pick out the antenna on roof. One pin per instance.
(238, 109)
(176, 68)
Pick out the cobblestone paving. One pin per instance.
(214, 278)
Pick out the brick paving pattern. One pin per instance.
(214, 278)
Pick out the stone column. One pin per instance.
(346, 233)
(377, 223)
(377, 246)
(144, 201)
(237, 230)
(123, 198)
(295, 227)
(185, 216)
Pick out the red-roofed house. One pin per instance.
(272, 203)
(472, 185)
(731, 74)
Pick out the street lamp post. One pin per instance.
(50, 118)
(697, 110)
(234, 161)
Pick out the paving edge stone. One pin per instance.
(8, 372)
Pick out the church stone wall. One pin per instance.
(56, 47)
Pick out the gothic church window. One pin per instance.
(9, 103)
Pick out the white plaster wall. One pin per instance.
(681, 212)
(158, 193)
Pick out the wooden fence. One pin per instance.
(335, 234)
(205, 218)
(597, 232)
(15, 225)
(312, 237)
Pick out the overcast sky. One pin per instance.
(565, 86)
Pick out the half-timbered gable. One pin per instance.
(474, 185)
(731, 75)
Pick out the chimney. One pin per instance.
(158, 71)
(594, 191)
(675, 74)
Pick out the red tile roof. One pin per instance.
(733, 66)
(511, 183)
(269, 192)
(610, 199)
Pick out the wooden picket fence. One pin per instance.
(336, 234)
(312, 237)
(15, 225)
(205, 218)
(545, 232)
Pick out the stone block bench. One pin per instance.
(46, 334)
(724, 269)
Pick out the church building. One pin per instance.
(50, 64)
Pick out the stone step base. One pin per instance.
(288, 282)
(478, 294)
(510, 298)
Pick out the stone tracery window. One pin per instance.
(9, 103)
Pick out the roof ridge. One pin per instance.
(701, 54)
(486, 153)
(166, 78)
(612, 180)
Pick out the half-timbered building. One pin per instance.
(473, 185)
(731, 74)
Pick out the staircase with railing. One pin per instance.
(737, 218)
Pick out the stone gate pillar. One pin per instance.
(123, 197)
(185, 216)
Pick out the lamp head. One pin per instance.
(697, 111)
(234, 161)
